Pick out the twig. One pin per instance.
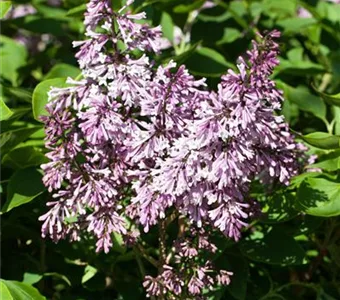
(145, 255)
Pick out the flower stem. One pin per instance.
(162, 245)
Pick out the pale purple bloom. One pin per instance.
(223, 277)
(153, 286)
(89, 123)
(303, 13)
(21, 10)
(195, 286)
(136, 140)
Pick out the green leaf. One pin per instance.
(5, 6)
(279, 208)
(40, 95)
(89, 272)
(334, 251)
(276, 248)
(322, 140)
(230, 35)
(305, 100)
(62, 71)
(208, 62)
(14, 290)
(185, 55)
(308, 225)
(20, 93)
(297, 65)
(297, 180)
(70, 219)
(41, 25)
(186, 8)
(10, 139)
(18, 113)
(215, 18)
(5, 112)
(59, 276)
(23, 157)
(329, 162)
(167, 26)
(31, 278)
(77, 11)
(322, 295)
(295, 25)
(49, 11)
(118, 243)
(13, 56)
(319, 197)
(281, 8)
(23, 187)
(238, 285)
(336, 114)
(238, 264)
(330, 99)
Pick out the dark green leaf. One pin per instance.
(18, 113)
(59, 276)
(230, 35)
(23, 157)
(37, 24)
(330, 99)
(208, 62)
(10, 139)
(238, 285)
(276, 247)
(77, 11)
(20, 93)
(279, 208)
(23, 187)
(305, 100)
(48, 11)
(308, 225)
(186, 8)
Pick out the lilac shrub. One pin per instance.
(135, 144)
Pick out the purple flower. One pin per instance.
(223, 277)
(90, 122)
(133, 140)
(153, 286)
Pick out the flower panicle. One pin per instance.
(131, 141)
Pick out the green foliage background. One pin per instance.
(291, 252)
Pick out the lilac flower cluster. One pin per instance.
(89, 123)
(189, 277)
(132, 141)
(232, 138)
